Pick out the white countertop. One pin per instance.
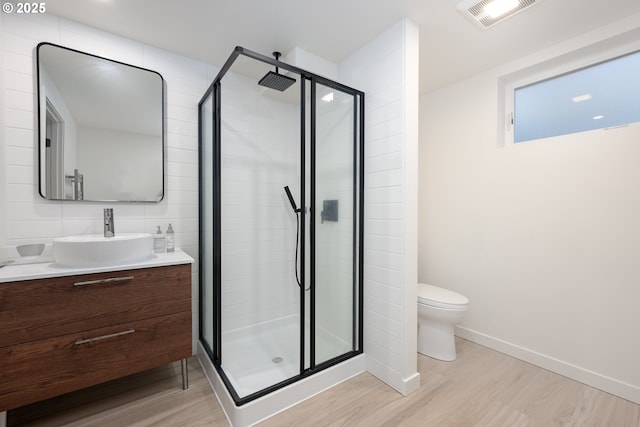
(15, 273)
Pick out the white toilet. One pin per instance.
(439, 310)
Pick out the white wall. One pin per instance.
(386, 69)
(542, 237)
(29, 218)
(300, 58)
(260, 155)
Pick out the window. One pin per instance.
(599, 96)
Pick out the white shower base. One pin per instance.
(248, 362)
(262, 355)
(259, 356)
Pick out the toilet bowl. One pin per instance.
(439, 311)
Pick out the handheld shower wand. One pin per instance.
(291, 200)
(296, 210)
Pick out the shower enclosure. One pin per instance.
(281, 196)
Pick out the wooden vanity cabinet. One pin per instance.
(62, 334)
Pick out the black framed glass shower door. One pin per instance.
(280, 276)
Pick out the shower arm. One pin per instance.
(277, 56)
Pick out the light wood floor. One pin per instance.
(481, 388)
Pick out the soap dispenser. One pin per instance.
(171, 242)
(158, 241)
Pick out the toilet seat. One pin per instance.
(439, 297)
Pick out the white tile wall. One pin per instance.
(29, 218)
(384, 70)
(260, 155)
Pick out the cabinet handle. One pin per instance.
(104, 337)
(99, 281)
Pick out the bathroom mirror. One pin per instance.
(101, 128)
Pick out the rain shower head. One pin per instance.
(274, 80)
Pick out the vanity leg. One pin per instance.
(185, 376)
(3, 419)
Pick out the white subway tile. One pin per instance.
(32, 229)
(184, 225)
(182, 128)
(19, 82)
(20, 156)
(173, 64)
(190, 239)
(186, 84)
(17, 100)
(391, 194)
(180, 183)
(383, 259)
(384, 112)
(185, 142)
(383, 227)
(181, 169)
(385, 276)
(185, 114)
(380, 347)
(385, 211)
(106, 45)
(383, 162)
(20, 119)
(19, 63)
(179, 155)
(392, 144)
(383, 291)
(129, 225)
(382, 323)
(20, 174)
(182, 99)
(170, 211)
(385, 308)
(21, 192)
(25, 211)
(384, 243)
(182, 197)
(18, 44)
(38, 27)
(81, 226)
(387, 178)
(386, 129)
(383, 96)
(16, 137)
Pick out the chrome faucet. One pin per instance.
(109, 231)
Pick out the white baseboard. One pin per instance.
(585, 376)
(411, 384)
(393, 378)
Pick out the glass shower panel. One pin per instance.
(335, 238)
(260, 155)
(206, 221)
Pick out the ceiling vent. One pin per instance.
(487, 13)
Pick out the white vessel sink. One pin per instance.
(95, 250)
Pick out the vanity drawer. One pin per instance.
(41, 369)
(36, 309)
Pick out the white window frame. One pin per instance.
(548, 69)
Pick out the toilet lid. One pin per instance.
(439, 297)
